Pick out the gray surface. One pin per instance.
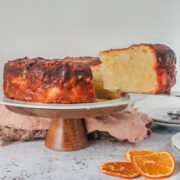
(31, 160)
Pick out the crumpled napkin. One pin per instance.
(23, 122)
(128, 124)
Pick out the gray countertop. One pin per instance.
(32, 160)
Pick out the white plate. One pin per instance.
(167, 124)
(160, 115)
(131, 98)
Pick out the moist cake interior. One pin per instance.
(129, 69)
(102, 93)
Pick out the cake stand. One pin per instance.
(67, 132)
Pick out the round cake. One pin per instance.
(50, 81)
(143, 68)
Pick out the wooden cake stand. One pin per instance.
(67, 132)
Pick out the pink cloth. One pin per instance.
(128, 124)
(18, 121)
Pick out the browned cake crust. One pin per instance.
(50, 81)
(165, 67)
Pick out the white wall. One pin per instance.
(59, 28)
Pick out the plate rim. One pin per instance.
(160, 120)
(156, 120)
(167, 124)
(104, 104)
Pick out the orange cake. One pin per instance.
(49, 81)
(143, 68)
(98, 85)
(68, 80)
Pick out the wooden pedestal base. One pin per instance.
(66, 135)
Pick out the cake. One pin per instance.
(143, 68)
(68, 80)
(49, 81)
(102, 93)
(95, 65)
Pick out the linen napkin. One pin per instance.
(128, 124)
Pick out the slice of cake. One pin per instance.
(143, 68)
(49, 81)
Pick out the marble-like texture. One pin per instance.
(33, 161)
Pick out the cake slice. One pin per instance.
(143, 68)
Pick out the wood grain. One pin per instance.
(66, 135)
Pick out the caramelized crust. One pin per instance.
(165, 67)
(50, 81)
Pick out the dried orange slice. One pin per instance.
(131, 153)
(119, 169)
(156, 165)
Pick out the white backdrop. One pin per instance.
(59, 28)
